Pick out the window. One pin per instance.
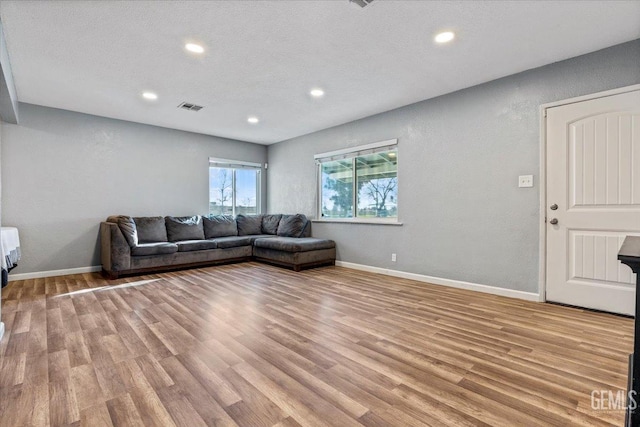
(359, 183)
(234, 187)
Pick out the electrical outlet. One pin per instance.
(525, 181)
(393, 257)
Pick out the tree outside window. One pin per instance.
(220, 191)
(369, 182)
(234, 190)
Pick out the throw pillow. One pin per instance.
(151, 229)
(127, 227)
(184, 228)
(249, 225)
(270, 223)
(292, 225)
(219, 226)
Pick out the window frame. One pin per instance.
(235, 165)
(353, 154)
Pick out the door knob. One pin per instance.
(553, 207)
(553, 221)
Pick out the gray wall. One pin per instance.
(64, 172)
(8, 96)
(459, 160)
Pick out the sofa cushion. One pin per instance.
(195, 245)
(295, 244)
(232, 241)
(151, 229)
(159, 248)
(184, 228)
(270, 223)
(248, 225)
(292, 225)
(219, 226)
(127, 227)
(255, 237)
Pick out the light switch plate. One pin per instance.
(525, 181)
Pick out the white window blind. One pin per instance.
(233, 164)
(362, 150)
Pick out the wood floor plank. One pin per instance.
(287, 422)
(258, 346)
(204, 404)
(63, 405)
(257, 408)
(180, 409)
(153, 372)
(38, 372)
(302, 371)
(22, 322)
(12, 371)
(148, 404)
(289, 404)
(97, 416)
(215, 385)
(27, 405)
(123, 412)
(63, 408)
(85, 383)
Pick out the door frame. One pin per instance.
(542, 272)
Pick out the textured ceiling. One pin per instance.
(263, 57)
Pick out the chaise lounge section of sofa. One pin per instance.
(134, 245)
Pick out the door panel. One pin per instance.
(593, 175)
(594, 257)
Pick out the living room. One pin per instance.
(439, 310)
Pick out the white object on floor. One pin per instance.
(10, 242)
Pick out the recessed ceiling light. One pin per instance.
(317, 93)
(195, 48)
(253, 120)
(149, 95)
(444, 37)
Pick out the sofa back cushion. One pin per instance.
(248, 225)
(184, 228)
(292, 225)
(127, 227)
(307, 229)
(151, 229)
(270, 223)
(219, 226)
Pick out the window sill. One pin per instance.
(359, 221)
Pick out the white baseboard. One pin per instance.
(1, 330)
(53, 273)
(511, 293)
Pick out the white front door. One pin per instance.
(593, 176)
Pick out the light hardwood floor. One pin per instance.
(255, 345)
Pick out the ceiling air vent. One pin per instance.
(361, 3)
(189, 106)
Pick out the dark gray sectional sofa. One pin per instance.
(132, 245)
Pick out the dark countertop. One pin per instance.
(630, 250)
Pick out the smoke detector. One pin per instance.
(361, 3)
(189, 106)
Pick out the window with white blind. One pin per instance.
(234, 187)
(360, 183)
